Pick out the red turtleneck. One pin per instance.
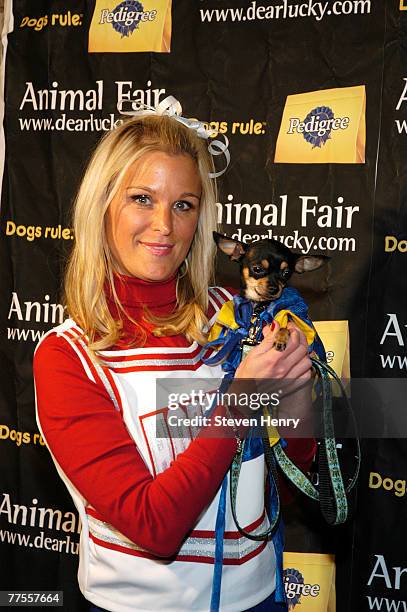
(139, 297)
(89, 440)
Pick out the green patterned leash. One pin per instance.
(234, 481)
(332, 493)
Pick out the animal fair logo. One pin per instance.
(389, 578)
(131, 25)
(29, 320)
(326, 126)
(32, 525)
(393, 343)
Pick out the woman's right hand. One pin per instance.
(264, 365)
(263, 361)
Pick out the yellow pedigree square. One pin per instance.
(326, 126)
(309, 581)
(131, 26)
(335, 338)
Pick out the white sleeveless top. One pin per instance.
(114, 573)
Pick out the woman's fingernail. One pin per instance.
(273, 325)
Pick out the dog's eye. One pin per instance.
(285, 273)
(257, 269)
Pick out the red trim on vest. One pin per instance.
(229, 535)
(160, 354)
(184, 558)
(211, 560)
(75, 334)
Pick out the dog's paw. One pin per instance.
(281, 339)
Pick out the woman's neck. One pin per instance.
(136, 293)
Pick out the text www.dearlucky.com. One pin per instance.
(64, 545)
(283, 10)
(69, 124)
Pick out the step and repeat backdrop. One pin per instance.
(312, 96)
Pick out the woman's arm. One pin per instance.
(91, 444)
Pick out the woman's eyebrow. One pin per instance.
(188, 194)
(144, 187)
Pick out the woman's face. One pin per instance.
(152, 220)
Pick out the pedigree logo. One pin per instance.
(309, 581)
(296, 588)
(317, 126)
(326, 126)
(131, 26)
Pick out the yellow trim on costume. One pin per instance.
(282, 319)
(226, 318)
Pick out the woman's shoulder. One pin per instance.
(57, 345)
(222, 294)
(218, 296)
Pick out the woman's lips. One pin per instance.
(157, 249)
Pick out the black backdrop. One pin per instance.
(232, 63)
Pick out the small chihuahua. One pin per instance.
(265, 268)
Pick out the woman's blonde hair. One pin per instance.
(90, 270)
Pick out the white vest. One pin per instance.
(114, 573)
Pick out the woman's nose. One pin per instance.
(162, 220)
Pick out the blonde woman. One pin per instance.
(136, 289)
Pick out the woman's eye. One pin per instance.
(140, 199)
(182, 205)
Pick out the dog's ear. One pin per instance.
(308, 263)
(234, 248)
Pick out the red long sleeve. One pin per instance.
(78, 417)
(92, 446)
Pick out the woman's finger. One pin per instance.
(293, 358)
(292, 326)
(301, 370)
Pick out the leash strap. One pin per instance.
(331, 493)
(273, 513)
(275, 531)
